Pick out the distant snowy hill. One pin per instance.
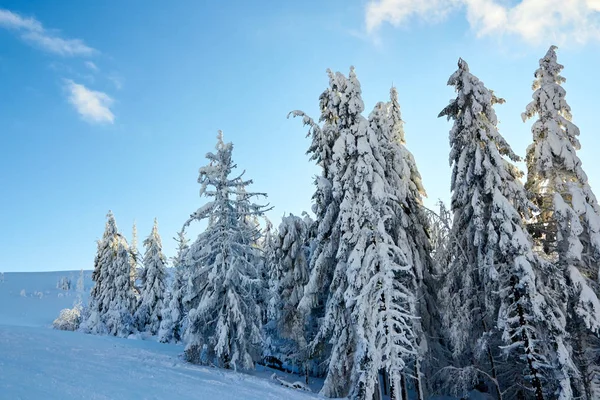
(37, 362)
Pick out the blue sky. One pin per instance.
(113, 105)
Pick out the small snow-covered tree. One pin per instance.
(149, 312)
(171, 326)
(122, 301)
(135, 256)
(69, 318)
(567, 228)
(112, 301)
(493, 293)
(224, 317)
(64, 283)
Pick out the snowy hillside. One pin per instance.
(37, 362)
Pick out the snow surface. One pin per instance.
(37, 362)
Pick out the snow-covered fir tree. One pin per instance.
(151, 303)
(135, 257)
(326, 209)
(224, 319)
(112, 300)
(324, 295)
(289, 273)
(171, 326)
(567, 228)
(381, 284)
(363, 264)
(251, 223)
(408, 225)
(497, 307)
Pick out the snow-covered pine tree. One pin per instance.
(251, 223)
(341, 107)
(112, 300)
(151, 303)
(135, 257)
(171, 326)
(359, 273)
(409, 226)
(270, 270)
(224, 319)
(567, 228)
(440, 226)
(381, 283)
(119, 318)
(493, 293)
(326, 208)
(289, 274)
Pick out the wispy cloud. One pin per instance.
(532, 20)
(93, 106)
(116, 80)
(32, 31)
(92, 66)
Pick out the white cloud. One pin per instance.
(32, 31)
(93, 106)
(91, 66)
(117, 80)
(532, 20)
(398, 12)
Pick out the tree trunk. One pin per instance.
(492, 363)
(385, 382)
(418, 380)
(403, 387)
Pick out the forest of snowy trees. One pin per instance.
(378, 295)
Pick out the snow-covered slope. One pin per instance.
(37, 362)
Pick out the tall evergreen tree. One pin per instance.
(171, 326)
(341, 108)
(112, 301)
(224, 318)
(567, 228)
(149, 313)
(494, 296)
(408, 227)
(326, 208)
(363, 260)
(381, 283)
